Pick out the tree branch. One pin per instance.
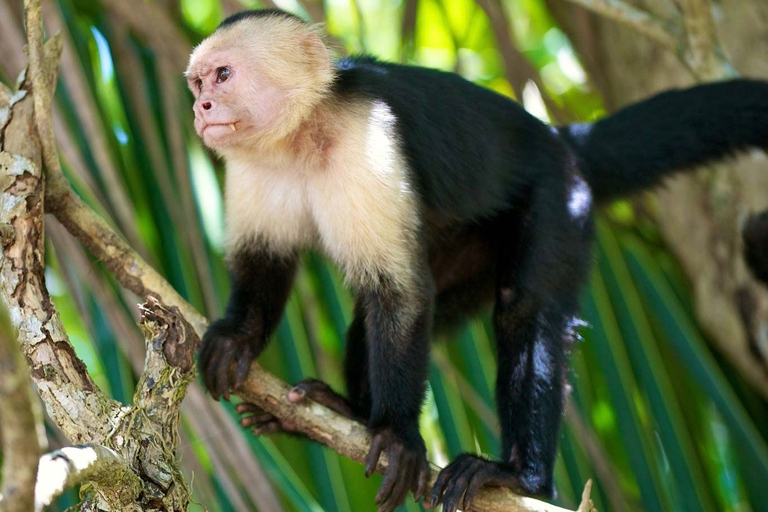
(705, 55)
(60, 377)
(351, 439)
(664, 33)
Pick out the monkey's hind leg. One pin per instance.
(540, 273)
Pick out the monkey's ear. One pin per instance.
(316, 52)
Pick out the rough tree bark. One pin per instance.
(677, 45)
(130, 457)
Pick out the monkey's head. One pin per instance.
(257, 78)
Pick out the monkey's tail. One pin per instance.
(635, 148)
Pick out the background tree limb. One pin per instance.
(703, 212)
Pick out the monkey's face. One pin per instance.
(234, 101)
(256, 81)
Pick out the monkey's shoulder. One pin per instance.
(468, 149)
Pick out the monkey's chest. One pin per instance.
(363, 220)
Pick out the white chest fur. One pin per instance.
(357, 207)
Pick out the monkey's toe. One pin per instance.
(263, 423)
(320, 392)
(458, 483)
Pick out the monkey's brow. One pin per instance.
(199, 72)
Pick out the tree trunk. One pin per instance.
(700, 214)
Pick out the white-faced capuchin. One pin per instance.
(435, 196)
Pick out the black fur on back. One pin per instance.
(471, 151)
(677, 130)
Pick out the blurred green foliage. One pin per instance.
(656, 419)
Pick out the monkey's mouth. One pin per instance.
(223, 127)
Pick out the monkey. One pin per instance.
(436, 197)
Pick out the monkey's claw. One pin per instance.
(225, 357)
(408, 469)
(457, 483)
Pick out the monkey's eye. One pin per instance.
(222, 74)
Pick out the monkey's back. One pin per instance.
(472, 152)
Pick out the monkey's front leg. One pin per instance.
(261, 282)
(398, 325)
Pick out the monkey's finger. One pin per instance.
(423, 482)
(256, 420)
(402, 485)
(478, 480)
(268, 428)
(223, 385)
(209, 374)
(248, 408)
(223, 373)
(390, 479)
(397, 488)
(372, 459)
(243, 368)
(439, 487)
(455, 492)
(297, 394)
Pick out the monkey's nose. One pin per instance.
(207, 105)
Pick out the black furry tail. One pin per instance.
(639, 145)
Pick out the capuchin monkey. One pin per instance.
(435, 197)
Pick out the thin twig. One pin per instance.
(43, 83)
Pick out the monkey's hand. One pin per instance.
(262, 422)
(226, 355)
(408, 468)
(458, 482)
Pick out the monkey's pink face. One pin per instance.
(234, 103)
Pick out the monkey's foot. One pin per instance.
(262, 422)
(408, 469)
(458, 482)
